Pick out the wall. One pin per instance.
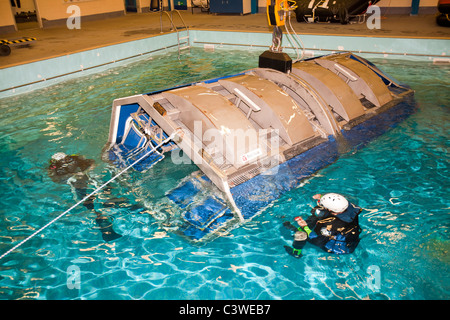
(404, 6)
(7, 22)
(40, 74)
(387, 6)
(26, 77)
(406, 3)
(144, 5)
(54, 12)
(25, 6)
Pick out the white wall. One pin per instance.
(406, 3)
(7, 21)
(57, 9)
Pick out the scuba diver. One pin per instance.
(333, 225)
(72, 169)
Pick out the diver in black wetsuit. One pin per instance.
(333, 225)
(72, 169)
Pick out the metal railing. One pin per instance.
(186, 43)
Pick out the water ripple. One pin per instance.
(400, 180)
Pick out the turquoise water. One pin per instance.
(400, 179)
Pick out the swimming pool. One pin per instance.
(400, 179)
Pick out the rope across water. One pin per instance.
(86, 197)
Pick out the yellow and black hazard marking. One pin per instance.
(6, 44)
(17, 41)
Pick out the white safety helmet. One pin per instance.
(58, 156)
(334, 202)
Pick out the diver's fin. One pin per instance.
(105, 226)
(110, 235)
(293, 252)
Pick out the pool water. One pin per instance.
(401, 180)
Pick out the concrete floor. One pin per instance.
(57, 41)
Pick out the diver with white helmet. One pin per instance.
(333, 225)
(73, 170)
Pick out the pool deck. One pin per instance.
(59, 41)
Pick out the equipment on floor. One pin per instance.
(443, 17)
(5, 45)
(331, 11)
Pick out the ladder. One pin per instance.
(183, 41)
